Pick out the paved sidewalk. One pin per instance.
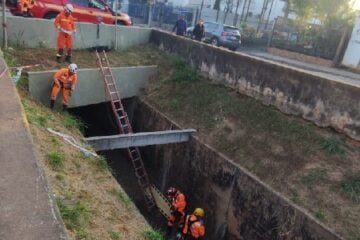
(26, 208)
(327, 72)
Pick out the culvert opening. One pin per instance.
(100, 121)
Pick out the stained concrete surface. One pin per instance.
(90, 88)
(326, 102)
(27, 211)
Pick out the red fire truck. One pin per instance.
(93, 11)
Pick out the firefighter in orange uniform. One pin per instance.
(194, 226)
(64, 22)
(178, 204)
(64, 80)
(26, 6)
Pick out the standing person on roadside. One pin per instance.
(199, 31)
(64, 22)
(64, 80)
(180, 26)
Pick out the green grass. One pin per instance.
(36, 116)
(115, 236)
(56, 160)
(76, 216)
(8, 56)
(60, 177)
(315, 176)
(101, 163)
(72, 122)
(154, 235)
(320, 215)
(123, 197)
(332, 145)
(351, 186)
(182, 71)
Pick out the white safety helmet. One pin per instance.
(73, 68)
(69, 7)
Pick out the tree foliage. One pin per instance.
(329, 12)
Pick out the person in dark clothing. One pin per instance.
(199, 30)
(180, 26)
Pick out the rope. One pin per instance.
(73, 142)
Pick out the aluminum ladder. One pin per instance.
(124, 126)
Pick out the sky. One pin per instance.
(357, 4)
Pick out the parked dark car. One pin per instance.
(219, 34)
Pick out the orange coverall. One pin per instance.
(178, 205)
(66, 23)
(26, 5)
(65, 82)
(194, 228)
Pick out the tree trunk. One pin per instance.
(247, 11)
(243, 11)
(268, 18)
(262, 14)
(236, 13)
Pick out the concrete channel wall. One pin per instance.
(90, 88)
(327, 103)
(237, 204)
(32, 32)
(27, 209)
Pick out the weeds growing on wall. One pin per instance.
(182, 71)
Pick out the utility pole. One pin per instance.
(236, 13)
(5, 43)
(151, 3)
(116, 22)
(201, 8)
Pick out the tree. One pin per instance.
(236, 12)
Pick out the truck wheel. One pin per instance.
(51, 15)
(122, 23)
(215, 42)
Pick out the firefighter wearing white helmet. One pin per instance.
(65, 24)
(64, 80)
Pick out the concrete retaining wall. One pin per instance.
(237, 204)
(29, 32)
(90, 87)
(323, 101)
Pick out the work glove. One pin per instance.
(180, 236)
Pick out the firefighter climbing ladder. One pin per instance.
(153, 196)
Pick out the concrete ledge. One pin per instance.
(34, 32)
(90, 88)
(326, 102)
(27, 210)
(139, 139)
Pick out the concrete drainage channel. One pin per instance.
(237, 204)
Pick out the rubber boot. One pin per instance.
(64, 107)
(168, 231)
(59, 55)
(68, 58)
(52, 104)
